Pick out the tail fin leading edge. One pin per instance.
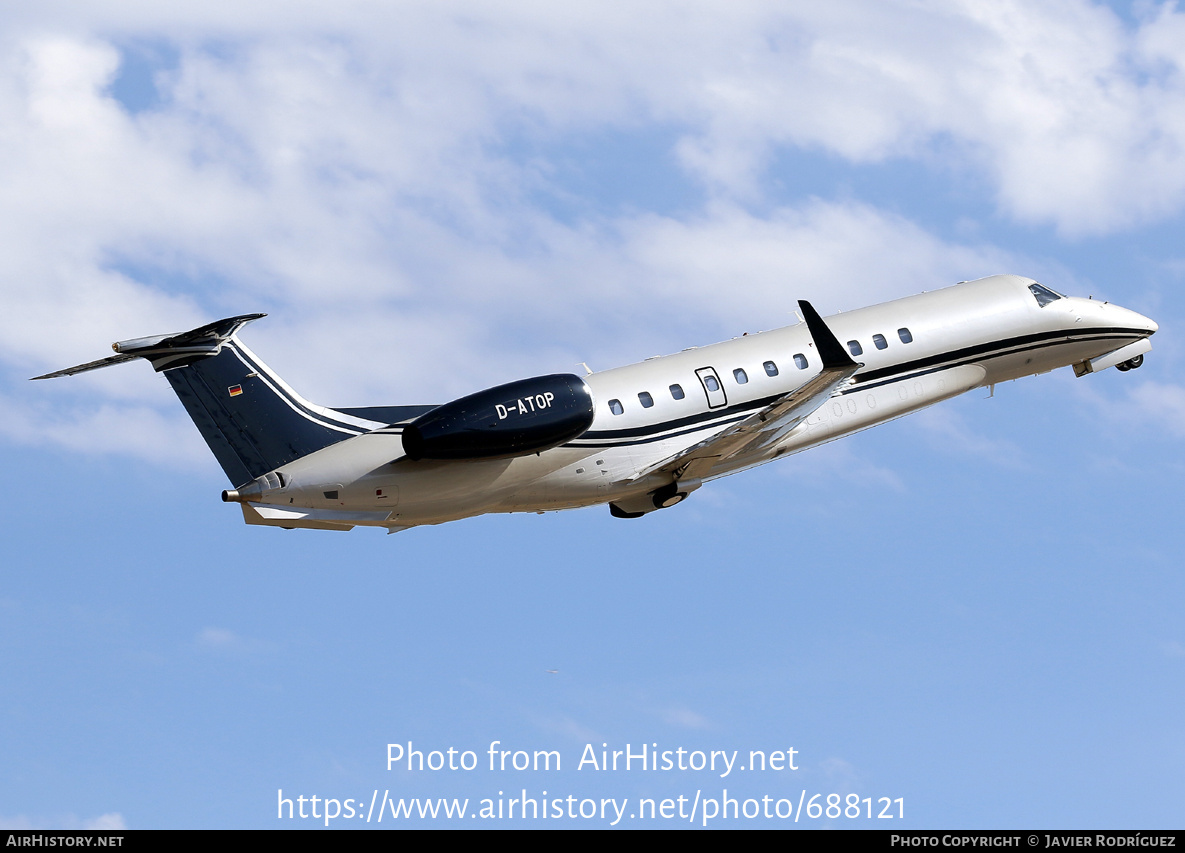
(251, 420)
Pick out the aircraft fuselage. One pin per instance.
(912, 352)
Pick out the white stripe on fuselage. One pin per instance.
(320, 415)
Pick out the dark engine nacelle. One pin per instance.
(510, 420)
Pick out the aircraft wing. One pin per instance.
(769, 425)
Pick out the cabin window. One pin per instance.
(1043, 294)
(615, 407)
(645, 399)
(677, 392)
(880, 342)
(771, 369)
(800, 361)
(710, 383)
(854, 348)
(740, 376)
(906, 337)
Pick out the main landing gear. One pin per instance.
(637, 506)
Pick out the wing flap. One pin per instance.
(764, 428)
(769, 425)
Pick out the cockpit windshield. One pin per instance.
(1043, 294)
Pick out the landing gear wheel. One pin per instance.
(668, 495)
(1133, 363)
(1123, 367)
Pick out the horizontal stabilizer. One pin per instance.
(251, 419)
(90, 365)
(166, 351)
(386, 414)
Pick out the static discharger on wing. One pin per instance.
(638, 438)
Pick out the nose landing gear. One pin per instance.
(1130, 364)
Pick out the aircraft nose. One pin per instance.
(1126, 318)
(1139, 321)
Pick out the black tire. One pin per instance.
(668, 495)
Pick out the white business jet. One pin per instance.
(639, 438)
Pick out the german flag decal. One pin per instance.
(235, 390)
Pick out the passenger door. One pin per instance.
(713, 387)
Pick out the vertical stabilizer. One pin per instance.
(251, 420)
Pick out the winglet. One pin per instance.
(830, 350)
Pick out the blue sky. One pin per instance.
(975, 609)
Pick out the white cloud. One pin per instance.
(572, 729)
(949, 432)
(837, 459)
(840, 773)
(356, 174)
(684, 718)
(1076, 120)
(168, 440)
(1173, 649)
(217, 638)
(111, 820)
(225, 641)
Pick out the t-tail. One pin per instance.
(250, 418)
